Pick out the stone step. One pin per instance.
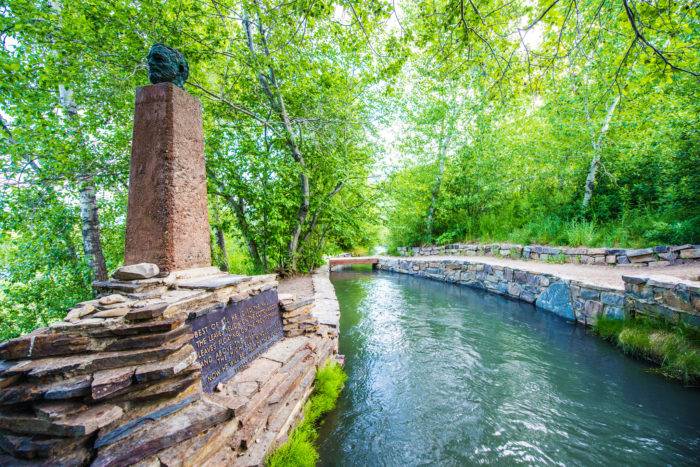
(52, 390)
(35, 447)
(154, 437)
(73, 425)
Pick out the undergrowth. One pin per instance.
(299, 449)
(674, 347)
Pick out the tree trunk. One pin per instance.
(442, 155)
(301, 218)
(597, 144)
(221, 243)
(91, 228)
(220, 239)
(274, 94)
(239, 210)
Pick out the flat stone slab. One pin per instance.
(326, 307)
(285, 349)
(298, 303)
(73, 425)
(148, 438)
(213, 282)
(556, 299)
(137, 271)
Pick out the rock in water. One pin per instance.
(167, 65)
(137, 271)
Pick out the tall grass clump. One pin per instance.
(580, 233)
(299, 449)
(674, 347)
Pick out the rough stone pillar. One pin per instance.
(167, 220)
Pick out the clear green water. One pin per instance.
(441, 374)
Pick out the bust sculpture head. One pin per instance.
(167, 65)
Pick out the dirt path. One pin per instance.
(606, 276)
(301, 285)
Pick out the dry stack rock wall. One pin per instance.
(662, 255)
(120, 381)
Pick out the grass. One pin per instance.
(579, 233)
(557, 259)
(634, 229)
(299, 449)
(674, 347)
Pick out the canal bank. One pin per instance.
(451, 375)
(572, 291)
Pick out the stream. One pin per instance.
(441, 374)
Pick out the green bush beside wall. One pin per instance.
(299, 449)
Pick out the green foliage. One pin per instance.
(496, 112)
(674, 347)
(299, 449)
(97, 50)
(531, 120)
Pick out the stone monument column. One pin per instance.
(167, 220)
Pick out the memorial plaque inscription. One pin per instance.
(228, 337)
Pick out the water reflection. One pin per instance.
(443, 374)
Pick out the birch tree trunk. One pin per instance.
(597, 144)
(91, 227)
(90, 223)
(442, 155)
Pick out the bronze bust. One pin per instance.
(167, 65)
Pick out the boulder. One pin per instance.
(136, 271)
(556, 298)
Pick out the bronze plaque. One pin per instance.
(228, 337)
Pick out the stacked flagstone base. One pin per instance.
(118, 382)
(297, 317)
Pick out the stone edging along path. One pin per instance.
(565, 289)
(661, 255)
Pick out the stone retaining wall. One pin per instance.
(656, 256)
(663, 296)
(570, 299)
(119, 382)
